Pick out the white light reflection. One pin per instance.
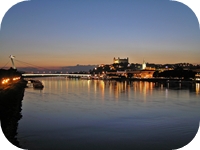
(166, 93)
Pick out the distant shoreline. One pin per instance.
(160, 80)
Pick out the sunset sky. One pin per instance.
(71, 32)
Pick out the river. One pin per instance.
(72, 114)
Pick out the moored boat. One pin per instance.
(36, 84)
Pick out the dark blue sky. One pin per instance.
(70, 32)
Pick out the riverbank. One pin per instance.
(11, 96)
(160, 80)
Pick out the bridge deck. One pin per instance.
(55, 75)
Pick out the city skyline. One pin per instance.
(67, 33)
(79, 68)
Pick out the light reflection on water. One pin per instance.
(92, 114)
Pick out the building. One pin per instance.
(142, 73)
(119, 61)
(144, 65)
(147, 66)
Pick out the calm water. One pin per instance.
(72, 114)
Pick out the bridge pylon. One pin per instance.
(12, 60)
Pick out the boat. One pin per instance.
(37, 84)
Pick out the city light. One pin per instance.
(8, 80)
(5, 81)
(16, 78)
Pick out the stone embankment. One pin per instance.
(11, 96)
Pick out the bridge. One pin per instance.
(35, 75)
(32, 75)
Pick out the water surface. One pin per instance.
(95, 114)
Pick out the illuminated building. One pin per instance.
(144, 65)
(119, 61)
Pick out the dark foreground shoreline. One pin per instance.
(11, 97)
